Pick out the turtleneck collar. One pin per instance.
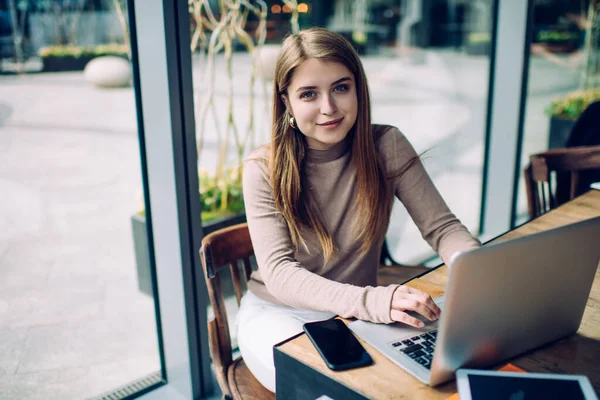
(333, 153)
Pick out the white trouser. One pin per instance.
(260, 325)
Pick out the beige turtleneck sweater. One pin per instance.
(347, 284)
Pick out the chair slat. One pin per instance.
(222, 341)
(247, 267)
(531, 189)
(219, 366)
(237, 281)
(550, 190)
(574, 183)
(544, 203)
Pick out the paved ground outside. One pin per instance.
(73, 323)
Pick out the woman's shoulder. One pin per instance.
(390, 140)
(256, 164)
(259, 154)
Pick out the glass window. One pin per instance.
(429, 76)
(563, 78)
(77, 311)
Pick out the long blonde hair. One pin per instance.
(288, 147)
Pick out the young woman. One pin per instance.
(318, 202)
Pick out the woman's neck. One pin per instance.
(332, 153)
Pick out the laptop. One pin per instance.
(501, 300)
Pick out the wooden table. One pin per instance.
(302, 374)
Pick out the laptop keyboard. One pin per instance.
(419, 347)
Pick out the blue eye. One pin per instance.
(307, 95)
(341, 88)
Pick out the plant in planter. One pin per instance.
(572, 105)
(564, 111)
(220, 199)
(75, 58)
(220, 32)
(221, 203)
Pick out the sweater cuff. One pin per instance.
(380, 301)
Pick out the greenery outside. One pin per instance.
(79, 52)
(218, 27)
(218, 197)
(479, 37)
(550, 36)
(572, 105)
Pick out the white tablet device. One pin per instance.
(497, 385)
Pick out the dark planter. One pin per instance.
(557, 39)
(142, 255)
(478, 48)
(72, 63)
(560, 129)
(66, 63)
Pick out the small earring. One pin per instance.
(293, 123)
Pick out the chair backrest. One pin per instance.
(550, 169)
(221, 249)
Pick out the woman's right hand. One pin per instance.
(408, 299)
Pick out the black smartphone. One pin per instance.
(337, 345)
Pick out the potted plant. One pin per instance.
(221, 203)
(564, 112)
(75, 58)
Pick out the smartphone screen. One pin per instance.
(337, 345)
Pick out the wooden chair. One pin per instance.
(221, 249)
(554, 169)
(226, 248)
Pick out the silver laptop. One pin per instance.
(501, 300)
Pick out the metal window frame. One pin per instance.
(164, 98)
(506, 109)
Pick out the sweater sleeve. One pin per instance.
(415, 189)
(284, 277)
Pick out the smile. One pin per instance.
(332, 124)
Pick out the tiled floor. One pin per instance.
(72, 321)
